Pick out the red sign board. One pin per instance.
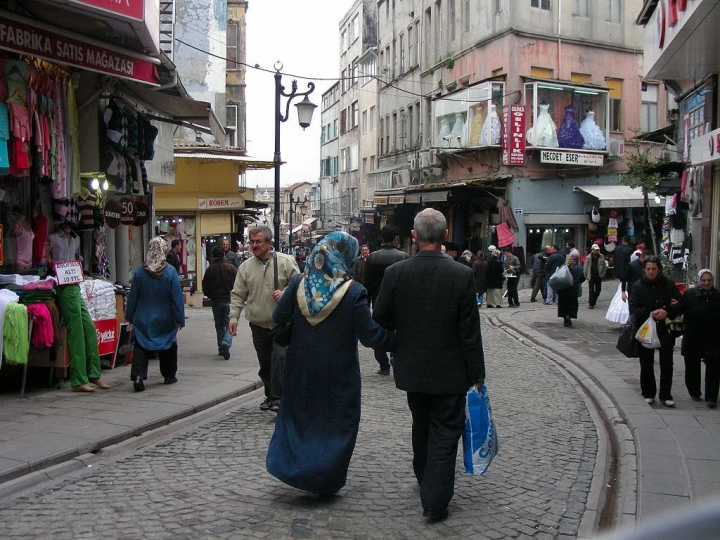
(106, 330)
(513, 143)
(28, 39)
(133, 9)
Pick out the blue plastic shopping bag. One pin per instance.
(480, 440)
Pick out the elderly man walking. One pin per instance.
(257, 291)
(430, 302)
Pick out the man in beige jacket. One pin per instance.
(256, 292)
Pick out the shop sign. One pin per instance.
(142, 214)
(396, 199)
(106, 330)
(513, 143)
(668, 18)
(220, 203)
(127, 211)
(111, 213)
(370, 218)
(133, 9)
(436, 196)
(69, 272)
(380, 200)
(25, 38)
(571, 158)
(705, 148)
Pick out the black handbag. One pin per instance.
(281, 335)
(627, 344)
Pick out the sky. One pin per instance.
(304, 37)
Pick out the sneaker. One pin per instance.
(138, 384)
(383, 372)
(649, 400)
(225, 351)
(265, 405)
(668, 403)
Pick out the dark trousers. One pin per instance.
(693, 376)
(512, 294)
(383, 360)
(141, 358)
(438, 423)
(537, 285)
(221, 315)
(647, 370)
(595, 288)
(262, 341)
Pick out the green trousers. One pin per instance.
(82, 337)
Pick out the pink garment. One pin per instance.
(24, 243)
(43, 334)
(505, 236)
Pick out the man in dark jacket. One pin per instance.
(554, 261)
(377, 263)
(701, 340)
(217, 283)
(173, 256)
(537, 263)
(429, 301)
(622, 257)
(360, 264)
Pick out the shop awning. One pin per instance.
(618, 196)
(309, 221)
(197, 115)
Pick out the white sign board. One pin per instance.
(571, 158)
(705, 148)
(69, 272)
(220, 203)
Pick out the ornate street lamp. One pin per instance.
(305, 111)
(294, 203)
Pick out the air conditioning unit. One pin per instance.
(616, 147)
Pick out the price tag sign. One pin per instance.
(69, 272)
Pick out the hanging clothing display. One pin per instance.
(490, 133)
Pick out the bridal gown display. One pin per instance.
(569, 133)
(443, 133)
(490, 133)
(591, 133)
(543, 133)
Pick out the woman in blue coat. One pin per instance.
(156, 310)
(317, 425)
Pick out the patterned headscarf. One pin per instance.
(328, 268)
(155, 258)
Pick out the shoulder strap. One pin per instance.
(275, 269)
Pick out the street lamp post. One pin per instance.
(294, 203)
(305, 111)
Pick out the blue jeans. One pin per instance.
(221, 314)
(479, 298)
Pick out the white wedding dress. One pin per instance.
(544, 132)
(592, 135)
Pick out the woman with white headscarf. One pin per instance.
(317, 425)
(701, 340)
(156, 310)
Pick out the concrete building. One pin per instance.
(680, 47)
(328, 198)
(448, 70)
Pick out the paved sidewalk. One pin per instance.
(674, 451)
(51, 426)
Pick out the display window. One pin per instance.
(469, 117)
(567, 116)
(182, 228)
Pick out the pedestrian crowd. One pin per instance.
(420, 314)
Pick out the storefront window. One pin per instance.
(460, 117)
(181, 228)
(539, 237)
(556, 112)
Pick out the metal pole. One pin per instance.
(290, 213)
(276, 159)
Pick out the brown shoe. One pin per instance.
(100, 384)
(83, 388)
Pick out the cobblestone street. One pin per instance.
(211, 482)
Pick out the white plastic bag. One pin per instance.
(618, 311)
(647, 334)
(480, 440)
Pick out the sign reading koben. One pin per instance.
(571, 158)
